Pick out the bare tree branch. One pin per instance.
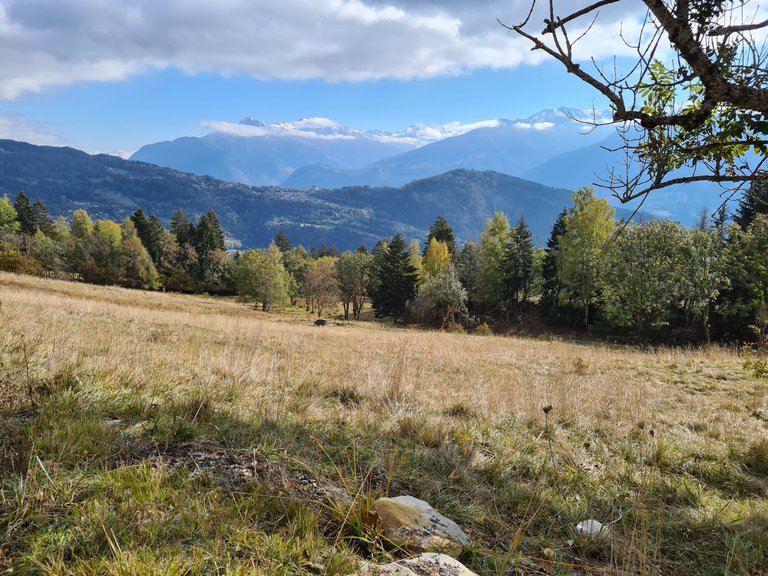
(553, 25)
(725, 30)
(702, 109)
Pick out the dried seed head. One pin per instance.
(548, 408)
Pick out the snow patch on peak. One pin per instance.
(248, 121)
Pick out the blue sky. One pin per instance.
(101, 76)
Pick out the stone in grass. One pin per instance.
(593, 529)
(413, 524)
(427, 564)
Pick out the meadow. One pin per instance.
(143, 432)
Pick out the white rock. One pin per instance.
(427, 564)
(413, 524)
(593, 529)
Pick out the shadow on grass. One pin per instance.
(121, 483)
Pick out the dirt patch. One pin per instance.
(232, 471)
(13, 453)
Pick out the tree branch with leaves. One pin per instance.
(690, 105)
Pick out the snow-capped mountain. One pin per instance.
(321, 152)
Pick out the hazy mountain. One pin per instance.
(253, 152)
(591, 164)
(319, 152)
(109, 187)
(508, 146)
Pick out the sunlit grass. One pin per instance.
(668, 442)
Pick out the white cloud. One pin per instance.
(17, 127)
(45, 43)
(327, 129)
(533, 125)
(301, 129)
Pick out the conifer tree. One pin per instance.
(24, 214)
(491, 278)
(468, 266)
(208, 235)
(753, 202)
(518, 265)
(551, 308)
(397, 280)
(282, 242)
(182, 228)
(442, 232)
(41, 218)
(141, 223)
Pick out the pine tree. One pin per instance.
(24, 214)
(442, 232)
(41, 218)
(208, 235)
(551, 309)
(282, 242)
(182, 228)
(397, 280)
(518, 266)
(468, 266)
(753, 202)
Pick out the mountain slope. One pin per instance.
(510, 147)
(589, 164)
(269, 158)
(317, 152)
(109, 187)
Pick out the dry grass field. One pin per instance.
(147, 433)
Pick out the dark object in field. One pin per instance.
(321, 322)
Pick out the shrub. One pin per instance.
(13, 261)
(484, 330)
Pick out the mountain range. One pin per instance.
(318, 152)
(110, 187)
(558, 148)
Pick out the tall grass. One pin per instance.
(105, 393)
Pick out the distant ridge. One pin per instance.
(318, 152)
(110, 187)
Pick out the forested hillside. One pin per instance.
(109, 187)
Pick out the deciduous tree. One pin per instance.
(437, 258)
(588, 228)
(491, 277)
(260, 275)
(352, 271)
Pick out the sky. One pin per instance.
(111, 76)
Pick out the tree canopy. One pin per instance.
(700, 106)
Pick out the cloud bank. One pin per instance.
(48, 43)
(18, 127)
(327, 129)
